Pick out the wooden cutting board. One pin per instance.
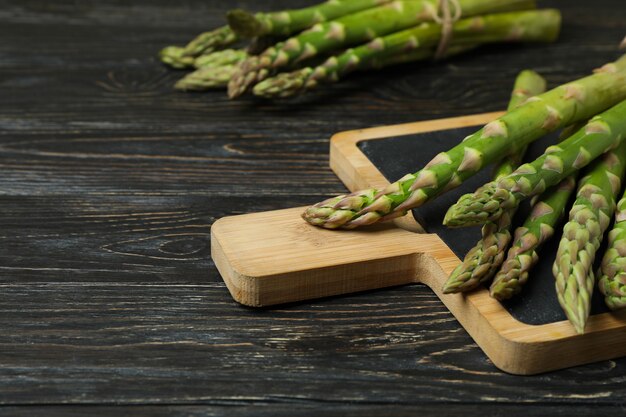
(275, 257)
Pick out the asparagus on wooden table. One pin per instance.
(213, 70)
(286, 22)
(484, 259)
(220, 58)
(288, 84)
(526, 26)
(538, 227)
(211, 41)
(612, 281)
(491, 200)
(206, 78)
(350, 30)
(564, 105)
(173, 56)
(588, 219)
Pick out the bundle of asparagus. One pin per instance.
(483, 260)
(348, 35)
(592, 111)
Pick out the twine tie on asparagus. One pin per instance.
(446, 20)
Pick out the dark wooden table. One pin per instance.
(110, 181)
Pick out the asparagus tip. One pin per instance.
(244, 23)
(283, 85)
(449, 289)
(206, 78)
(211, 41)
(247, 73)
(500, 291)
(456, 216)
(173, 56)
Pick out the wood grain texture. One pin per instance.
(110, 180)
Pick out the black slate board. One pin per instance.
(396, 156)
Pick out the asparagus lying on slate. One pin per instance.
(612, 282)
(286, 22)
(350, 30)
(564, 105)
(588, 219)
(491, 200)
(484, 259)
(526, 26)
(538, 227)
(547, 210)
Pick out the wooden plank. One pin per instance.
(98, 152)
(271, 409)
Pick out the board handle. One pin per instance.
(275, 257)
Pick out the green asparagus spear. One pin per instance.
(577, 100)
(285, 23)
(211, 41)
(484, 259)
(287, 84)
(537, 228)
(613, 271)
(206, 78)
(221, 58)
(491, 200)
(526, 26)
(582, 234)
(350, 30)
(173, 56)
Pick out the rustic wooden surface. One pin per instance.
(110, 181)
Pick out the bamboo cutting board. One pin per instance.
(275, 257)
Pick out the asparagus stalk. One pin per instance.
(418, 55)
(258, 45)
(221, 58)
(211, 41)
(353, 29)
(537, 228)
(286, 22)
(527, 26)
(489, 202)
(577, 100)
(588, 219)
(173, 56)
(613, 270)
(287, 84)
(484, 259)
